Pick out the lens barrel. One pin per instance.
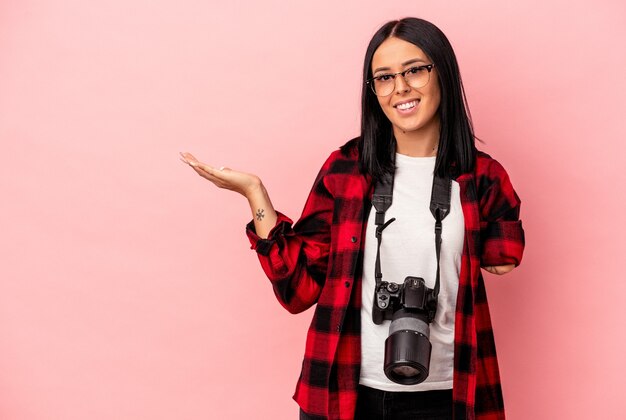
(408, 348)
(407, 357)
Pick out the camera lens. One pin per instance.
(407, 371)
(407, 349)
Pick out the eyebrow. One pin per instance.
(414, 60)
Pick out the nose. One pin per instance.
(400, 84)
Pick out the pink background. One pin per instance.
(127, 286)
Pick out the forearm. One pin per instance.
(263, 212)
(296, 256)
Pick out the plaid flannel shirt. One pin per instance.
(319, 260)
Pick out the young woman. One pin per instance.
(415, 126)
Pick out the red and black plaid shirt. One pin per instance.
(319, 260)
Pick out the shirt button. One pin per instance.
(353, 239)
(338, 327)
(347, 284)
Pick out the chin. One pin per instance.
(409, 126)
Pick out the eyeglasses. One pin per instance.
(416, 77)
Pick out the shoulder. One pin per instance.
(493, 183)
(343, 160)
(350, 149)
(340, 173)
(488, 169)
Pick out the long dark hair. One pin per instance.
(456, 142)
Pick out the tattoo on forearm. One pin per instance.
(259, 214)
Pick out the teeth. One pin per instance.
(407, 105)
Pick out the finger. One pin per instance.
(187, 156)
(206, 168)
(207, 175)
(193, 163)
(220, 173)
(190, 159)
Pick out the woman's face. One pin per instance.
(395, 55)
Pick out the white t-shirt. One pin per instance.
(408, 249)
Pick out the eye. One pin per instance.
(383, 77)
(415, 70)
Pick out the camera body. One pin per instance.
(412, 296)
(410, 306)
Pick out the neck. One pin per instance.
(422, 142)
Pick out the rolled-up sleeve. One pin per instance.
(295, 256)
(264, 245)
(501, 231)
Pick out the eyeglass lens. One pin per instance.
(416, 77)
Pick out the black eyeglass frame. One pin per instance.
(428, 67)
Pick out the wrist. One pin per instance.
(255, 190)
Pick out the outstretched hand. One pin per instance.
(230, 179)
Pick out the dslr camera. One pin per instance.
(410, 306)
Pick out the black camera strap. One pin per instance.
(439, 207)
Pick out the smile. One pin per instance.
(407, 108)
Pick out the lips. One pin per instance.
(405, 102)
(408, 111)
(407, 105)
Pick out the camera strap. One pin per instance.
(439, 207)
